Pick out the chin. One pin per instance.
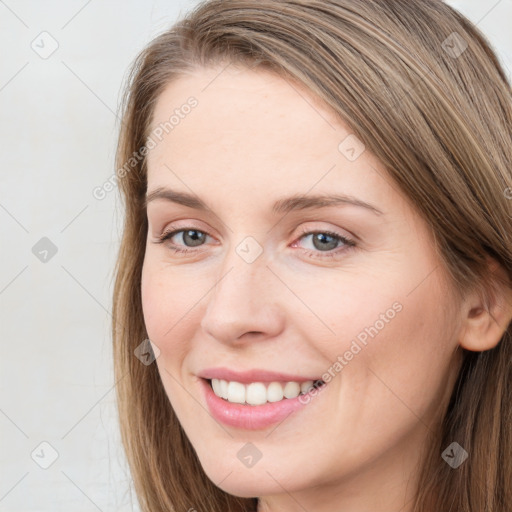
(245, 485)
(263, 479)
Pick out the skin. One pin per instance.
(356, 447)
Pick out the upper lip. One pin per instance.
(254, 375)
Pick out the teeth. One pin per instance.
(306, 386)
(291, 389)
(255, 393)
(216, 386)
(275, 392)
(223, 389)
(236, 392)
(258, 393)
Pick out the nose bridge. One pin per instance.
(243, 268)
(240, 300)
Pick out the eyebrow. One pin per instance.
(284, 205)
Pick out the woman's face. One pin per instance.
(277, 288)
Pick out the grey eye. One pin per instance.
(192, 237)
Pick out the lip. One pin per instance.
(254, 375)
(253, 417)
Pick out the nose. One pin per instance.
(244, 302)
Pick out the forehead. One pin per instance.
(240, 106)
(252, 130)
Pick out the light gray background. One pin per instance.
(58, 131)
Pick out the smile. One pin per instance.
(257, 405)
(259, 393)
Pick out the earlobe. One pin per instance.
(487, 320)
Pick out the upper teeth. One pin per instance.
(258, 393)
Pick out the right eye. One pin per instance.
(189, 235)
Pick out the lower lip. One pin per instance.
(253, 417)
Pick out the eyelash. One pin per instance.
(349, 243)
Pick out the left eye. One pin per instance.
(326, 241)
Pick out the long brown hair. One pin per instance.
(421, 87)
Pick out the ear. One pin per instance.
(488, 312)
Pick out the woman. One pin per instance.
(318, 244)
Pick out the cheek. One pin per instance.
(166, 321)
(161, 304)
(393, 340)
(171, 302)
(339, 312)
(409, 360)
(153, 302)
